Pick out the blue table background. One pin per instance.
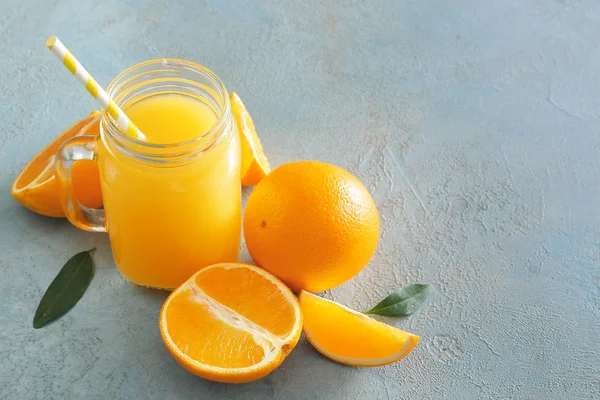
(475, 124)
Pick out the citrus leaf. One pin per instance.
(66, 289)
(402, 302)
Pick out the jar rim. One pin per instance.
(121, 80)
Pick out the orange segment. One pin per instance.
(231, 322)
(199, 336)
(352, 338)
(230, 287)
(255, 165)
(37, 189)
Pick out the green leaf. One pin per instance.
(402, 302)
(66, 289)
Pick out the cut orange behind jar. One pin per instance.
(352, 338)
(231, 322)
(255, 165)
(36, 187)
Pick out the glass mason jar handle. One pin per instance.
(74, 149)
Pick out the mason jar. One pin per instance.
(170, 207)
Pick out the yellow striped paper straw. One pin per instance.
(65, 56)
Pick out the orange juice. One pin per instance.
(172, 203)
(167, 222)
(171, 118)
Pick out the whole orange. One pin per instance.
(312, 224)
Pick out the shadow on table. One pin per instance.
(150, 293)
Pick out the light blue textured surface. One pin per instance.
(475, 124)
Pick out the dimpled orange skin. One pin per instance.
(312, 224)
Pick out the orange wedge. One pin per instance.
(255, 165)
(352, 338)
(36, 187)
(231, 322)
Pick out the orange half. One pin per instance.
(352, 338)
(36, 187)
(231, 322)
(255, 165)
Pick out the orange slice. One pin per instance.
(255, 165)
(231, 322)
(352, 338)
(36, 187)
